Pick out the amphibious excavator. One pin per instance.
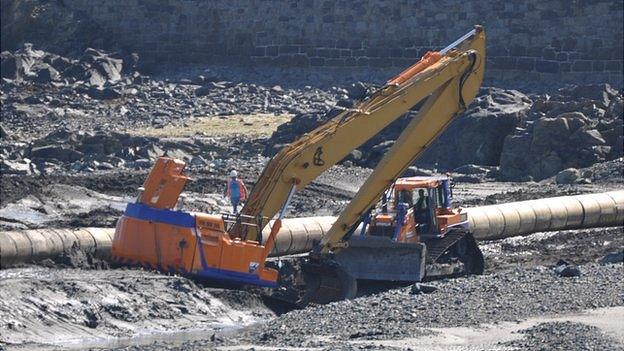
(404, 241)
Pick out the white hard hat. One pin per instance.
(233, 174)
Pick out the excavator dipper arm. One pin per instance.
(446, 102)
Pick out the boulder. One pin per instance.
(104, 93)
(564, 269)
(151, 151)
(8, 65)
(600, 93)
(46, 74)
(17, 167)
(357, 91)
(514, 162)
(469, 178)
(420, 288)
(571, 129)
(613, 258)
(179, 154)
(588, 137)
(58, 152)
(568, 176)
(103, 67)
(478, 135)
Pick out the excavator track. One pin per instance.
(326, 282)
(304, 281)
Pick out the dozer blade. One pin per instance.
(379, 258)
(335, 277)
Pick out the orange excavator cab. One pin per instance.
(151, 234)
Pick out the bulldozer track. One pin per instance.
(437, 247)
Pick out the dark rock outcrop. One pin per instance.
(575, 128)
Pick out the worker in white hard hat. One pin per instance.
(236, 190)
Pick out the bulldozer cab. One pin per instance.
(412, 208)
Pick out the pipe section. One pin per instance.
(298, 235)
(555, 213)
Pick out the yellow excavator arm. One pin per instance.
(449, 79)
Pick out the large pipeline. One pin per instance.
(298, 235)
(548, 214)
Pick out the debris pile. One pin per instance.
(563, 336)
(76, 152)
(94, 67)
(576, 127)
(41, 92)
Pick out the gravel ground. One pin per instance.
(574, 246)
(564, 336)
(508, 295)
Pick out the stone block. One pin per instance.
(549, 53)
(568, 44)
(362, 62)
(262, 60)
(271, 51)
(613, 66)
(300, 60)
(335, 62)
(565, 67)
(327, 52)
(350, 62)
(395, 52)
(355, 44)
(517, 50)
(503, 62)
(525, 63)
(375, 52)
(345, 53)
(602, 53)
(317, 61)
(378, 62)
(547, 66)
(562, 56)
(288, 49)
(259, 51)
(410, 52)
(582, 66)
